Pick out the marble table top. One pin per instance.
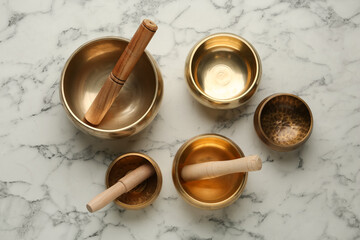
(49, 170)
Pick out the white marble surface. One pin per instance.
(49, 170)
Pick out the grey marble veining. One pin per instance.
(49, 170)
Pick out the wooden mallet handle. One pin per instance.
(219, 168)
(116, 79)
(125, 184)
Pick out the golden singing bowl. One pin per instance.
(146, 192)
(223, 71)
(212, 193)
(283, 121)
(86, 71)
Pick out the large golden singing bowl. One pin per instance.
(283, 121)
(212, 193)
(223, 71)
(86, 71)
(146, 192)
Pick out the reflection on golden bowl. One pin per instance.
(146, 192)
(86, 71)
(283, 121)
(223, 71)
(212, 193)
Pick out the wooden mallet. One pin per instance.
(214, 169)
(116, 79)
(125, 184)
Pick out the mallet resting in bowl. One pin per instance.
(125, 184)
(214, 169)
(116, 79)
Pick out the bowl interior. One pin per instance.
(87, 71)
(285, 120)
(224, 67)
(142, 194)
(216, 189)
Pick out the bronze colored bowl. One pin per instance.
(208, 193)
(146, 192)
(86, 71)
(283, 121)
(223, 71)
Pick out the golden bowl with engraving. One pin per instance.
(212, 193)
(146, 192)
(283, 121)
(223, 71)
(86, 71)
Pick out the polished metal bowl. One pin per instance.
(86, 71)
(212, 193)
(283, 121)
(146, 192)
(223, 71)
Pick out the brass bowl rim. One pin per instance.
(192, 201)
(88, 125)
(258, 124)
(223, 34)
(157, 172)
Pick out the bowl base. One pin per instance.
(222, 74)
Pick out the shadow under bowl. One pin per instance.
(283, 121)
(85, 73)
(146, 192)
(212, 193)
(223, 71)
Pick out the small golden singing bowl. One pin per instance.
(212, 193)
(283, 121)
(223, 71)
(86, 71)
(146, 192)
